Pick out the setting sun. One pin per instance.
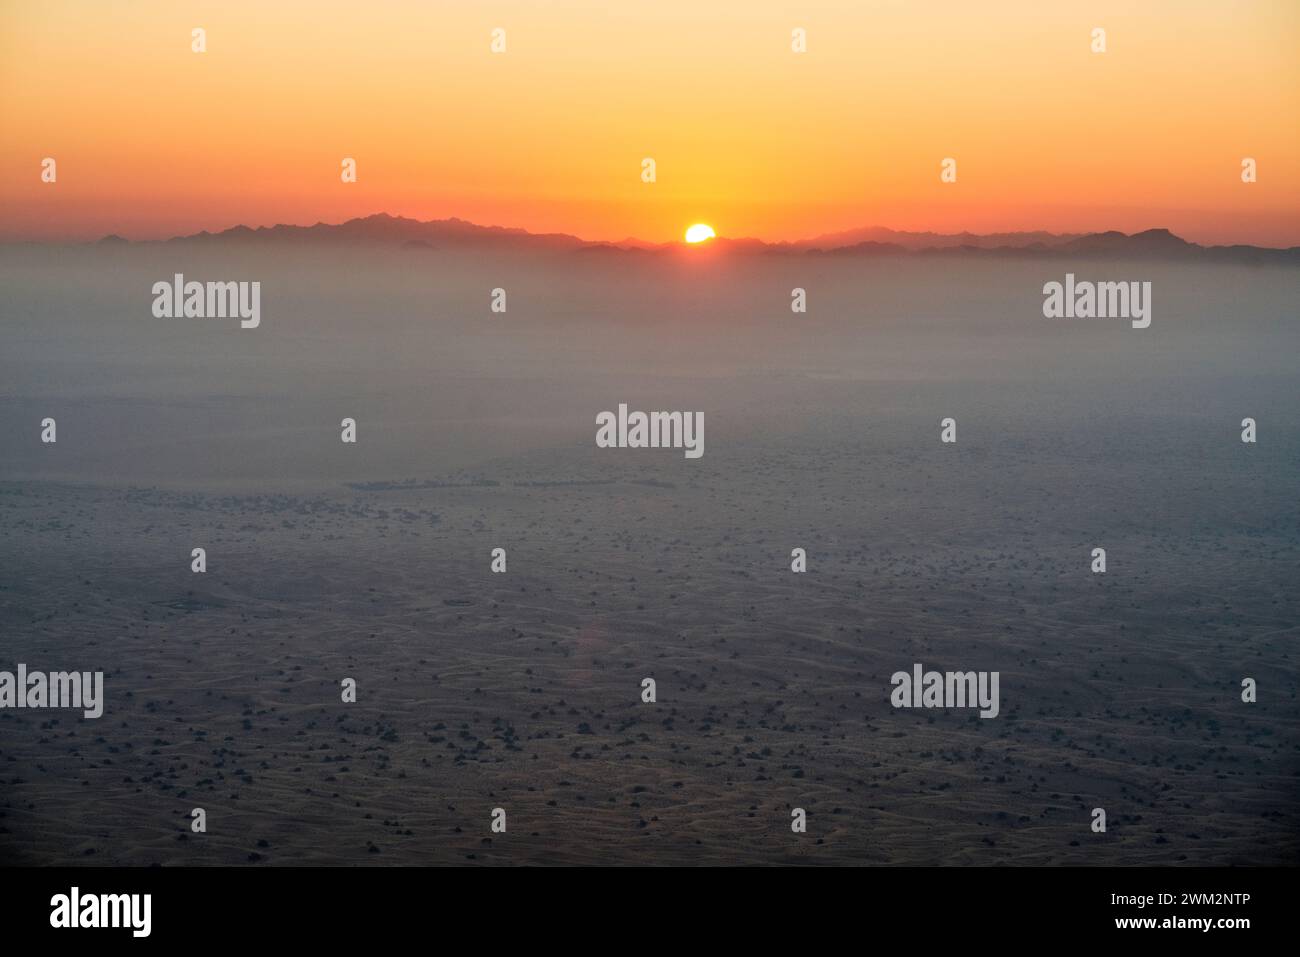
(699, 232)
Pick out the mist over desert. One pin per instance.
(475, 431)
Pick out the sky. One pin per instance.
(153, 140)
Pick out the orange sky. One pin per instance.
(153, 140)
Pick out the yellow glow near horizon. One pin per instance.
(699, 233)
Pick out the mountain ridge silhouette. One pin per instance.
(453, 233)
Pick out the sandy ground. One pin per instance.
(522, 690)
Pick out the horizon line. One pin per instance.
(631, 240)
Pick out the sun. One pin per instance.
(699, 233)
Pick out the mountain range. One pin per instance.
(382, 228)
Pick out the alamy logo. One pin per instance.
(179, 299)
(951, 689)
(58, 689)
(651, 430)
(1098, 300)
(103, 910)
